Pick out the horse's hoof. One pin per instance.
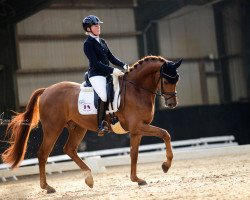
(142, 183)
(89, 181)
(164, 167)
(50, 189)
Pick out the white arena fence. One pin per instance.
(99, 160)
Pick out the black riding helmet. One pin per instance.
(89, 21)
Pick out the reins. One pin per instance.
(160, 93)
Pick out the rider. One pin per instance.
(99, 55)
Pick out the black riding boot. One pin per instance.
(101, 113)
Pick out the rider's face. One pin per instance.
(96, 29)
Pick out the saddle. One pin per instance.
(88, 101)
(109, 89)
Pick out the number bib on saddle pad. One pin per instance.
(86, 105)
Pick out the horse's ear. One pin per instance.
(177, 64)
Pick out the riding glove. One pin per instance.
(117, 72)
(126, 66)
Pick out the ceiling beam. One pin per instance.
(92, 4)
(13, 11)
(75, 36)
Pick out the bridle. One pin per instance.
(162, 93)
(163, 76)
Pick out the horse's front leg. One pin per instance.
(149, 130)
(134, 147)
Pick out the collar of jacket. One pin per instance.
(97, 38)
(91, 38)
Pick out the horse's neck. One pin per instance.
(144, 75)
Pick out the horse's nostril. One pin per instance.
(171, 105)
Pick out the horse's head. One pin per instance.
(168, 81)
(162, 83)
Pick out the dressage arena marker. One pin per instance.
(184, 149)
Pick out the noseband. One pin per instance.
(166, 95)
(163, 93)
(166, 76)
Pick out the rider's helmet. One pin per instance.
(89, 21)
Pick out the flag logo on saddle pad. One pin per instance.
(85, 106)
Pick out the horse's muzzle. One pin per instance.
(171, 103)
(171, 106)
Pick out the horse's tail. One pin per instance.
(19, 129)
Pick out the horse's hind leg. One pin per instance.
(76, 134)
(49, 138)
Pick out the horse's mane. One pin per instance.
(146, 59)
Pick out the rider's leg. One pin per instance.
(101, 113)
(99, 85)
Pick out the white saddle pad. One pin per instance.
(86, 99)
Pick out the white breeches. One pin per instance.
(99, 85)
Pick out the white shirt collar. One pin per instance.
(96, 37)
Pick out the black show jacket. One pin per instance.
(99, 57)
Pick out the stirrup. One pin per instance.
(103, 129)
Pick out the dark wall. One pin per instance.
(182, 123)
(8, 66)
(206, 121)
(11, 12)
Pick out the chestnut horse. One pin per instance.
(56, 108)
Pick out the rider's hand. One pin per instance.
(126, 67)
(117, 72)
